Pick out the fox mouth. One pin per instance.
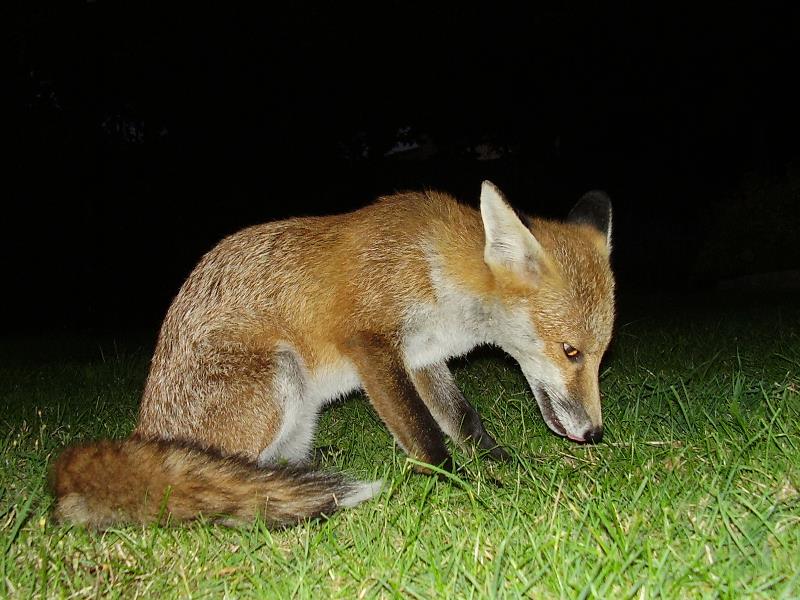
(547, 407)
(548, 412)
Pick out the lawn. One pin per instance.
(692, 493)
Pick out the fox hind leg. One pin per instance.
(294, 440)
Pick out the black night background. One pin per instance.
(140, 134)
(139, 137)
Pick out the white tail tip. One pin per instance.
(364, 491)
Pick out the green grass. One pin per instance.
(693, 492)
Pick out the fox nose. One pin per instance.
(593, 435)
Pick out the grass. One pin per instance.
(693, 492)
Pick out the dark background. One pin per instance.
(139, 136)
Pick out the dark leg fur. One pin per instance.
(455, 415)
(472, 427)
(396, 400)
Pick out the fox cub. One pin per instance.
(280, 319)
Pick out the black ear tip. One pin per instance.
(596, 199)
(594, 208)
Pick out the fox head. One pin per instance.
(556, 301)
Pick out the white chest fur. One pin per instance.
(451, 326)
(434, 333)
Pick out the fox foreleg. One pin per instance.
(452, 411)
(397, 402)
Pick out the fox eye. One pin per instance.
(571, 352)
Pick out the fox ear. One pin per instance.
(594, 209)
(510, 245)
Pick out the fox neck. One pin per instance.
(486, 316)
(469, 311)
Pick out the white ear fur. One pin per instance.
(509, 244)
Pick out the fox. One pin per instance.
(281, 319)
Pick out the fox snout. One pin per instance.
(567, 417)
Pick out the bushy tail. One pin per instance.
(141, 481)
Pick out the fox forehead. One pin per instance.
(576, 304)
